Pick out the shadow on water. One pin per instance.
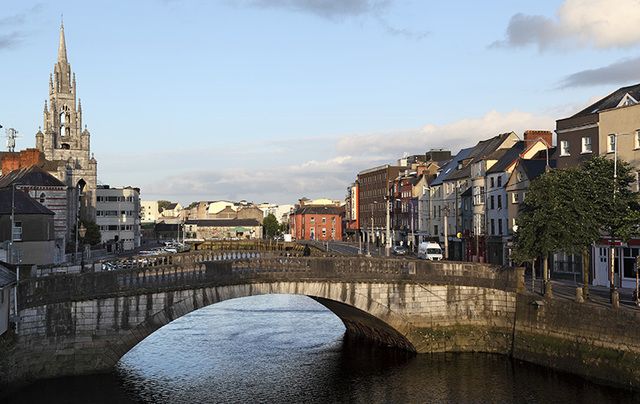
(291, 349)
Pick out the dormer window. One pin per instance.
(627, 100)
(42, 197)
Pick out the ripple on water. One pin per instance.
(283, 348)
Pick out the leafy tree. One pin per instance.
(567, 210)
(93, 235)
(271, 225)
(162, 205)
(541, 222)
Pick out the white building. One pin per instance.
(117, 215)
(149, 211)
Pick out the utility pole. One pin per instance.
(388, 233)
(615, 298)
(446, 232)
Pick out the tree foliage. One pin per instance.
(162, 205)
(568, 210)
(271, 225)
(93, 235)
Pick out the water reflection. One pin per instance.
(283, 348)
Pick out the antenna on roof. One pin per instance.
(11, 134)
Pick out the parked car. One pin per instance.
(400, 250)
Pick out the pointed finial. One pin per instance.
(62, 46)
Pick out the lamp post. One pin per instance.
(82, 231)
(614, 296)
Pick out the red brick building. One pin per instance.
(317, 222)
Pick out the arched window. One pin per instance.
(63, 124)
(65, 146)
(42, 197)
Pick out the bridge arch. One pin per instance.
(362, 316)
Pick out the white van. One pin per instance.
(429, 251)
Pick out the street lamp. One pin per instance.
(615, 297)
(82, 231)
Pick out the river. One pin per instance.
(284, 348)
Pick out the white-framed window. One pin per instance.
(586, 144)
(611, 143)
(514, 197)
(637, 140)
(564, 148)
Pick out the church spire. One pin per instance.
(62, 46)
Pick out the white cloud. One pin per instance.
(326, 171)
(453, 136)
(598, 23)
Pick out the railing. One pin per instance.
(219, 269)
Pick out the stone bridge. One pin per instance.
(84, 323)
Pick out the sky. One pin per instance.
(275, 100)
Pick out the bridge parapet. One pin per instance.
(216, 269)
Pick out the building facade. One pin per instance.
(117, 215)
(66, 144)
(311, 222)
(222, 229)
(149, 211)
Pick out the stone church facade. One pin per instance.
(65, 142)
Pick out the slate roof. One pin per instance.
(611, 101)
(32, 175)
(318, 210)
(535, 168)
(479, 152)
(508, 157)
(7, 277)
(224, 222)
(171, 206)
(451, 166)
(23, 204)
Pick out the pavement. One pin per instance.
(598, 295)
(562, 289)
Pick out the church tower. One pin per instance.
(64, 142)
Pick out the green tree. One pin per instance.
(271, 226)
(568, 210)
(93, 235)
(162, 205)
(541, 221)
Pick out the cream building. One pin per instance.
(149, 211)
(117, 215)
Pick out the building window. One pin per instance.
(564, 148)
(637, 139)
(586, 144)
(500, 180)
(324, 233)
(17, 231)
(491, 203)
(435, 230)
(499, 201)
(493, 182)
(611, 143)
(42, 197)
(324, 220)
(493, 227)
(500, 227)
(312, 220)
(514, 197)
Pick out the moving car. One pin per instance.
(429, 251)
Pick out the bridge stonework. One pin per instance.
(84, 323)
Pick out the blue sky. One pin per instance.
(272, 100)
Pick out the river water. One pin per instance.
(283, 348)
